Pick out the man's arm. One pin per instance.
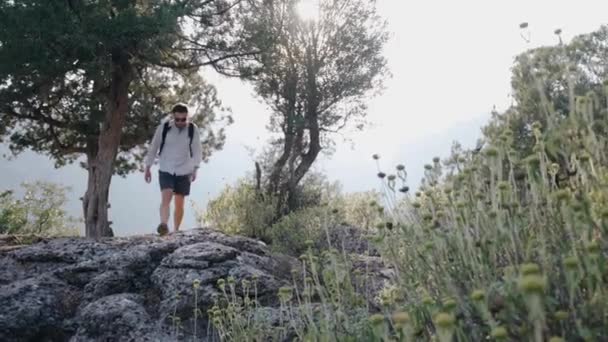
(153, 148)
(197, 150)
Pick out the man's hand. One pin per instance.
(193, 176)
(148, 175)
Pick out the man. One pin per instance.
(178, 144)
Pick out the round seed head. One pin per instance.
(401, 318)
(561, 315)
(532, 284)
(449, 303)
(530, 268)
(499, 333)
(491, 152)
(376, 319)
(478, 295)
(445, 320)
(571, 262)
(503, 186)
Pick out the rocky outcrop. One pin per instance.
(128, 289)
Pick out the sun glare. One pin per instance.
(308, 10)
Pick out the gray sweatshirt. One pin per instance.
(175, 158)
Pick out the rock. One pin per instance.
(120, 317)
(349, 239)
(32, 309)
(129, 288)
(370, 275)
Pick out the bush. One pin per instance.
(306, 226)
(40, 211)
(239, 210)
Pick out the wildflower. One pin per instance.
(436, 160)
(562, 195)
(401, 318)
(503, 186)
(478, 295)
(404, 189)
(532, 283)
(491, 152)
(230, 280)
(196, 284)
(427, 300)
(400, 167)
(593, 249)
(376, 156)
(533, 160)
(376, 319)
(416, 204)
(428, 167)
(391, 177)
(523, 25)
(558, 32)
(449, 303)
(499, 333)
(445, 320)
(561, 315)
(530, 268)
(571, 262)
(381, 175)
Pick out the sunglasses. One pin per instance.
(181, 119)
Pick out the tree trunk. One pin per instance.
(101, 158)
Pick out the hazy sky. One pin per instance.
(451, 64)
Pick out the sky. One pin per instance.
(450, 63)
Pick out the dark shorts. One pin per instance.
(179, 184)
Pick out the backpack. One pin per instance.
(166, 129)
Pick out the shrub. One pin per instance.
(40, 211)
(239, 210)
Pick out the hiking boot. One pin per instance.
(162, 229)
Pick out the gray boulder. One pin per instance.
(133, 288)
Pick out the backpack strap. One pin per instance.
(191, 135)
(164, 136)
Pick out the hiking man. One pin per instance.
(178, 144)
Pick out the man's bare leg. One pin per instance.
(179, 211)
(166, 196)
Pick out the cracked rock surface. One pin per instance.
(127, 289)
